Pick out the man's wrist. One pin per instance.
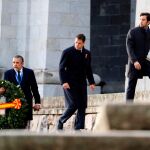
(38, 104)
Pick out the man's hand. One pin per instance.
(36, 107)
(92, 87)
(2, 90)
(137, 65)
(66, 86)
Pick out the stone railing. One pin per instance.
(53, 107)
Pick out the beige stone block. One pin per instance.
(89, 121)
(113, 140)
(123, 117)
(40, 124)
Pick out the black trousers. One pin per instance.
(133, 77)
(75, 101)
(79, 119)
(130, 92)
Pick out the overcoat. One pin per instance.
(75, 68)
(138, 46)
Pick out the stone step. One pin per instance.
(95, 99)
(123, 117)
(53, 107)
(111, 140)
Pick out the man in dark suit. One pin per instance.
(74, 68)
(138, 46)
(24, 77)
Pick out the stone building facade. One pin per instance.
(110, 21)
(40, 29)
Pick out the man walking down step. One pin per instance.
(74, 68)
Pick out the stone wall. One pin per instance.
(110, 21)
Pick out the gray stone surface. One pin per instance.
(113, 140)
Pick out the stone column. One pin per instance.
(1, 69)
(8, 31)
(0, 15)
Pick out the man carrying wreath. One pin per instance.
(25, 78)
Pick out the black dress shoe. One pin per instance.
(59, 125)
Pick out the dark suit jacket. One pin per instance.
(138, 46)
(28, 85)
(75, 68)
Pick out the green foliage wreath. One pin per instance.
(14, 118)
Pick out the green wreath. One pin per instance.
(14, 118)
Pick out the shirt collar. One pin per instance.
(79, 49)
(21, 70)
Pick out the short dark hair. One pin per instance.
(19, 56)
(81, 37)
(146, 14)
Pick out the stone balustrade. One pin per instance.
(52, 107)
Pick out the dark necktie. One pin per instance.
(19, 76)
